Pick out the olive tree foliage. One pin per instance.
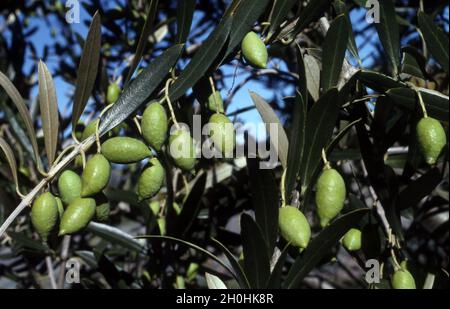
(221, 222)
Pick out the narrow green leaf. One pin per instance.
(437, 41)
(411, 66)
(143, 38)
(314, 10)
(202, 60)
(320, 123)
(190, 207)
(296, 144)
(378, 81)
(245, 16)
(9, 154)
(265, 199)
(389, 33)
(192, 246)
(214, 282)
(87, 69)
(18, 101)
(140, 89)
(115, 236)
(312, 71)
(280, 143)
(256, 259)
(320, 246)
(28, 243)
(275, 279)
(341, 8)
(185, 13)
(238, 270)
(302, 79)
(435, 102)
(334, 48)
(49, 111)
(280, 10)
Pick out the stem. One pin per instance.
(51, 273)
(64, 255)
(325, 161)
(169, 103)
(28, 199)
(283, 188)
(213, 89)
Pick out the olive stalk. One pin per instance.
(28, 199)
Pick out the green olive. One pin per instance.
(330, 195)
(103, 207)
(215, 102)
(125, 150)
(44, 214)
(112, 93)
(403, 280)
(155, 125)
(77, 216)
(95, 176)
(69, 186)
(89, 130)
(294, 226)
(182, 150)
(222, 134)
(352, 240)
(431, 137)
(60, 205)
(151, 180)
(254, 50)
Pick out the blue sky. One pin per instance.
(241, 99)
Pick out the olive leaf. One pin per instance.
(185, 14)
(334, 47)
(280, 143)
(435, 102)
(296, 144)
(275, 279)
(320, 246)
(278, 14)
(245, 15)
(256, 259)
(320, 123)
(437, 41)
(49, 111)
(192, 246)
(238, 270)
(87, 69)
(389, 33)
(202, 60)
(378, 81)
(190, 207)
(115, 236)
(341, 8)
(143, 38)
(312, 71)
(140, 89)
(411, 66)
(9, 154)
(311, 12)
(18, 101)
(214, 282)
(265, 198)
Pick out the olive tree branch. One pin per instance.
(28, 199)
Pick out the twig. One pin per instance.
(51, 273)
(64, 256)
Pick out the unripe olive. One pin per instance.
(112, 94)
(254, 50)
(294, 226)
(352, 240)
(44, 214)
(330, 195)
(103, 208)
(89, 130)
(431, 137)
(77, 216)
(125, 150)
(155, 125)
(60, 205)
(151, 180)
(402, 279)
(182, 150)
(215, 102)
(222, 134)
(95, 176)
(69, 186)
